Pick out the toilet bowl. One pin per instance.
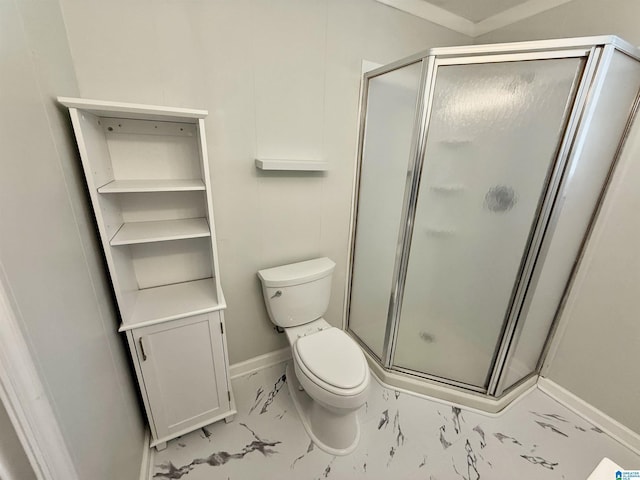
(329, 382)
(329, 377)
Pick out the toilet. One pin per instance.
(329, 376)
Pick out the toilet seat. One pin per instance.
(329, 377)
(333, 361)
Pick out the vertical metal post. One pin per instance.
(419, 140)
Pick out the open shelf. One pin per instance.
(440, 231)
(143, 186)
(161, 231)
(170, 302)
(447, 188)
(456, 142)
(292, 165)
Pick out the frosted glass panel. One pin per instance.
(493, 136)
(391, 109)
(621, 85)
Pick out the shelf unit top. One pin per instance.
(103, 108)
(147, 186)
(170, 302)
(160, 231)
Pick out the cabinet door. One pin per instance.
(184, 372)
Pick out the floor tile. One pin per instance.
(402, 437)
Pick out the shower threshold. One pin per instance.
(450, 394)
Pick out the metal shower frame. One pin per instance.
(597, 51)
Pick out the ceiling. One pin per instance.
(474, 17)
(476, 10)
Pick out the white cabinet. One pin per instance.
(183, 368)
(147, 173)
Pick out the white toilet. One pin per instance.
(331, 373)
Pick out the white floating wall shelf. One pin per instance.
(292, 165)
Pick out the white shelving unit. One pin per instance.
(147, 173)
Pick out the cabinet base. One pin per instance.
(231, 414)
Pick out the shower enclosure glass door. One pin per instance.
(493, 137)
(480, 170)
(391, 112)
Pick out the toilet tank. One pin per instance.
(297, 293)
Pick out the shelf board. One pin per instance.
(144, 186)
(170, 302)
(161, 231)
(134, 110)
(447, 188)
(292, 165)
(456, 142)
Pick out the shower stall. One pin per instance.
(480, 171)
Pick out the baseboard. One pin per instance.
(258, 363)
(419, 388)
(146, 465)
(613, 428)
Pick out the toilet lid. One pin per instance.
(333, 357)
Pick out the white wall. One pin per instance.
(48, 252)
(597, 355)
(597, 358)
(14, 464)
(280, 79)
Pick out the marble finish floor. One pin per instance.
(403, 437)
